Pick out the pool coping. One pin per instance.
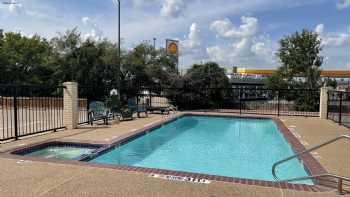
(310, 163)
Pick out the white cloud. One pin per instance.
(192, 49)
(14, 7)
(319, 29)
(247, 48)
(332, 39)
(264, 50)
(336, 46)
(226, 29)
(343, 4)
(85, 20)
(94, 32)
(193, 39)
(172, 8)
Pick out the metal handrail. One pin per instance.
(340, 178)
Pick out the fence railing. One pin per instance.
(237, 100)
(83, 111)
(28, 110)
(339, 107)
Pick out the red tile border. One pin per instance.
(311, 164)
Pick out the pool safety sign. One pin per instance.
(180, 178)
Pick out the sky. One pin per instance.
(242, 33)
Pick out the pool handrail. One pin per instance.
(340, 178)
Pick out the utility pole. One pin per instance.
(119, 43)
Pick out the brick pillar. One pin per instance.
(70, 105)
(324, 102)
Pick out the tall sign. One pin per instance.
(172, 50)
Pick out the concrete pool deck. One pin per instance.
(33, 178)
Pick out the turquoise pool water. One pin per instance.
(233, 147)
(61, 152)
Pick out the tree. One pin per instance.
(206, 76)
(23, 60)
(204, 86)
(90, 63)
(300, 57)
(66, 54)
(146, 66)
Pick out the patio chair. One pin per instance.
(114, 106)
(98, 111)
(116, 109)
(137, 108)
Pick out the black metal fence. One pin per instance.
(28, 110)
(339, 107)
(246, 100)
(289, 102)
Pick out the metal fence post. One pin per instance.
(278, 103)
(240, 101)
(328, 103)
(340, 106)
(15, 112)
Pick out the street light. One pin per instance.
(119, 39)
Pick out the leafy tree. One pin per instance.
(66, 54)
(146, 66)
(24, 60)
(204, 84)
(206, 76)
(300, 57)
(330, 83)
(91, 63)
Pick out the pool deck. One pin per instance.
(35, 178)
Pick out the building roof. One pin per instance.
(324, 73)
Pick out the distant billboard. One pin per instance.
(172, 47)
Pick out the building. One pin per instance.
(252, 78)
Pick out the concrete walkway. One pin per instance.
(29, 178)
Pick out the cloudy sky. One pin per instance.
(243, 33)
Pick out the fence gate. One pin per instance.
(339, 107)
(28, 110)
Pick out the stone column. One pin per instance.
(70, 105)
(324, 102)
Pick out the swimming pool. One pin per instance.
(224, 146)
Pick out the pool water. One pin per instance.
(233, 147)
(61, 152)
